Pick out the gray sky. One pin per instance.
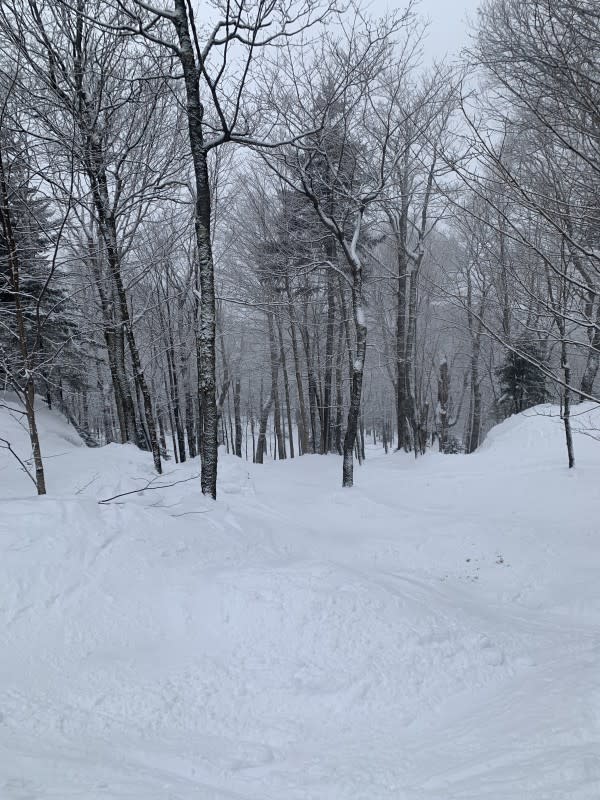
(448, 27)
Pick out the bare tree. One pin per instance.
(343, 162)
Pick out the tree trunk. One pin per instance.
(175, 398)
(108, 231)
(238, 419)
(189, 424)
(115, 348)
(286, 387)
(339, 397)
(409, 406)
(206, 279)
(161, 433)
(326, 437)
(567, 402)
(275, 360)
(313, 394)
(171, 421)
(358, 366)
(475, 407)
(106, 420)
(593, 359)
(224, 393)
(442, 409)
(40, 478)
(303, 427)
(265, 410)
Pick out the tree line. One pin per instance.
(268, 226)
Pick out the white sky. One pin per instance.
(448, 29)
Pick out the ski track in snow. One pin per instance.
(431, 634)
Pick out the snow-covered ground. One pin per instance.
(431, 634)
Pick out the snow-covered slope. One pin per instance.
(431, 634)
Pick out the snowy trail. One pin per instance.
(430, 635)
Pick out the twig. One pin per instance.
(14, 410)
(6, 445)
(185, 513)
(85, 486)
(147, 487)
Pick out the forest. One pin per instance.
(270, 226)
(299, 400)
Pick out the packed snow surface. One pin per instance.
(431, 634)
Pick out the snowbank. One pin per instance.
(538, 434)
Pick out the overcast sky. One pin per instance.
(448, 29)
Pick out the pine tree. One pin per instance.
(522, 381)
(46, 307)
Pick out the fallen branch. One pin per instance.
(14, 410)
(147, 487)
(185, 513)
(6, 445)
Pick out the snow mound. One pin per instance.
(538, 434)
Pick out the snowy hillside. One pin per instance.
(431, 634)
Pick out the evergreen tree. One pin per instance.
(522, 382)
(46, 307)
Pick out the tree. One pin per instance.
(18, 246)
(210, 66)
(344, 122)
(44, 303)
(82, 71)
(522, 382)
(424, 112)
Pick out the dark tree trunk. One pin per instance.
(224, 393)
(265, 410)
(326, 437)
(442, 409)
(144, 443)
(206, 280)
(237, 417)
(189, 424)
(475, 406)
(115, 348)
(175, 405)
(40, 478)
(171, 420)
(275, 361)
(401, 354)
(313, 393)
(303, 426)
(104, 400)
(286, 387)
(358, 366)
(409, 405)
(339, 399)
(161, 433)
(567, 407)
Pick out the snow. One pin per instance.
(431, 634)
